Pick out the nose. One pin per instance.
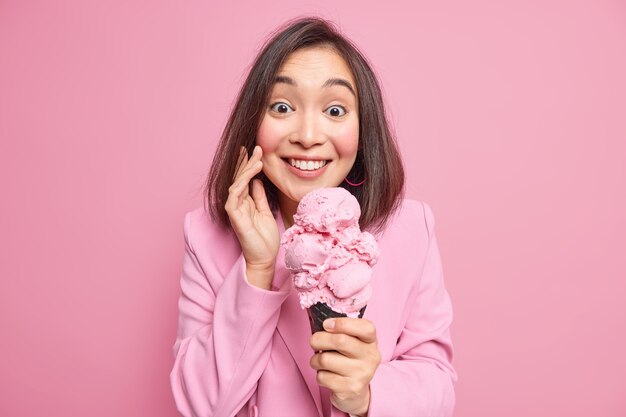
(309, 131)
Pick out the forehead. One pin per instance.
(315, 64)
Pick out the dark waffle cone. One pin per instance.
(319, 312)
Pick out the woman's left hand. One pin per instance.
(347, 362)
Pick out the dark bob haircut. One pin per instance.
(377, 161)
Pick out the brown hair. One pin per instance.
(377, 161)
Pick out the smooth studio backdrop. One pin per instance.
(511, 117)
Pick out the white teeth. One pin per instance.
(307, 165)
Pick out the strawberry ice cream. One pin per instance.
(330, 259)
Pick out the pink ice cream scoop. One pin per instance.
(329, 258)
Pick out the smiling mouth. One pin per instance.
(306, 165)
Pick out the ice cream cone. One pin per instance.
(319, 312)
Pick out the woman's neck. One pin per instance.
(287, 208)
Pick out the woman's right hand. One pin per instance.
(252, 220)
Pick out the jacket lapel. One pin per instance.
(293, 325)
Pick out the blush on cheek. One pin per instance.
(263, 135)
(347, 140)
(269, 135)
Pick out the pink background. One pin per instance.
(512, 121)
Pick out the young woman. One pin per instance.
(310, 114)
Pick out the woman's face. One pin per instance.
(310, 131)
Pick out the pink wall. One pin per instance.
(512, 122)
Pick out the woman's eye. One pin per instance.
(336, 111)
(281, 108)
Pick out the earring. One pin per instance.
(358, 164)
(353, 184)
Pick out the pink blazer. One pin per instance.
(244, 351)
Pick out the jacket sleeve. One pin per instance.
(225, 330)
(419, 381)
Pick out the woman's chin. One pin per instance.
(293, 193)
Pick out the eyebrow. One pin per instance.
(329, 83)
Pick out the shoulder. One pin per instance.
(407, 236)
(414, 218)
(198, 225)
(210, 241)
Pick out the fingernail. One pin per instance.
(329, 324)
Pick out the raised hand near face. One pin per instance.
(347, 358)
(252, 220)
